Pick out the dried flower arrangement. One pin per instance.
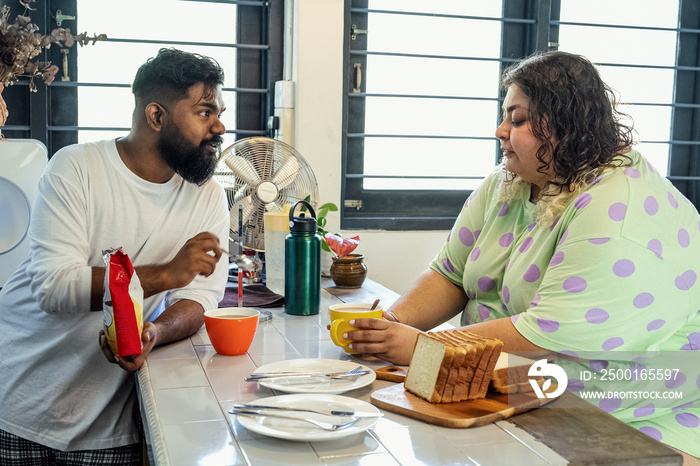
(20, 43)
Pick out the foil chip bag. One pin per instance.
(122, 304)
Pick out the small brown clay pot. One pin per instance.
(348, 271)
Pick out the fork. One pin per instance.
(331, 426)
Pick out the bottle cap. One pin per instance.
(302, 224)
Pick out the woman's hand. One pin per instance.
(384, 339)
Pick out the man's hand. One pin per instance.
(194, 259)
(131, 363)
(390, 341)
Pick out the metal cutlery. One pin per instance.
(332, 426)
(332, 375)
(325, 413)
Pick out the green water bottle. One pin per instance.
(302, 264)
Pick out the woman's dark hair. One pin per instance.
(570, 104)
(168, 76)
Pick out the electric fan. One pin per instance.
(262, 175)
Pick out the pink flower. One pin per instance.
(342, 246)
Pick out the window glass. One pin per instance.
(634, 85)
(116, 62)
(458, 81)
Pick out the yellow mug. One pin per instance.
(342, 314)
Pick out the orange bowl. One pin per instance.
(231, 329)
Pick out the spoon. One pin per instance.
(241, 260)
(374, 305)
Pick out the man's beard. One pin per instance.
(195, 164)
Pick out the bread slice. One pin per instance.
(511, 374)
(480, 362)
(496, 347)
(463, 374)
(429, 368)
(452, 382)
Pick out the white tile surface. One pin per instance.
(417, 445)
(206, 443)
(176, 373)
(178, 405)
(499, 454)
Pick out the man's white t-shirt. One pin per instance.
(56, 386)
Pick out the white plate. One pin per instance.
(314, 384)
(303, 431)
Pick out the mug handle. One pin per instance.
(337, 332)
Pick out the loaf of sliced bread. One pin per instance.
(450, 366)
(511, 374)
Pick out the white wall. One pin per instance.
(393, 259)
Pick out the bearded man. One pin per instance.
(65, 398)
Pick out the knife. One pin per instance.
(259, 408)
(278, 375)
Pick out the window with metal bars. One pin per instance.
(422, 100)
(91, 97)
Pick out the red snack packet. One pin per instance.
(122, 304)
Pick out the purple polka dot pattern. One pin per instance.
(633, 173)
(448, 265)
(596, 181)
(583, 200)
(471, 294)
(646, 410)
(506, 240)
(655, 324)
(514, 318)
(486, 283)
(672, 200)
(554, 224)
(636, 369)
(692, 345)
(573, 354)
(655, 247)
(596, 316)
(687, 420)
(610, 404)
(682, 407)
(651, 432)
(534, 224)
(574, 385)
(683, 238)
(643, 300)
(557, 258)
(623, 268)
(563, 237)
(598, 240)
(506, 295)
(526, 244)
(617, 211)
(466, 237)
(475, 254)
(676, 380)
(535, 301)
(532, 274)
(575, 284)
(548, 326)
(612, 343)
(686, 280)
(504, 210)
(449, 236)
(651, 205)
(484, 312)
(598, 365)
(476, 234)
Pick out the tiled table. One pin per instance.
(186, 390)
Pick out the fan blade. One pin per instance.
(287, 173)
(243, 169)
(236, 198)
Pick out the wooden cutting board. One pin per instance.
(472, 413)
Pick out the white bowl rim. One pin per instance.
(247, 312)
